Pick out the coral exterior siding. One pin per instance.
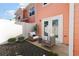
(31, 18)
(51, 10)
(25, 13)
(76, 31)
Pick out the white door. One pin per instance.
(57, 26)
(53, 26)
(45, 28)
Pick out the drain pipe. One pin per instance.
(71, 28)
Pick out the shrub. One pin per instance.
(52, 54)
(12, 40)
(21, 39)
(35, 28)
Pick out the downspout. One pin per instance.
(71, 28)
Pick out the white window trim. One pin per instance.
(30, 11)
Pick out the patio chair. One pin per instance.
(48, 41)
(33, 36)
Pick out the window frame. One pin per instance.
(31, 10)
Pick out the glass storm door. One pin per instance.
(53, 26)
(46, 29)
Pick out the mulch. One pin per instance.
(23, 48)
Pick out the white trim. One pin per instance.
(71, 28)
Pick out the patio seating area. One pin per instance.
(60, 49)
(49, 45)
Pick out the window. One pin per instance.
(55, 27)
(32, 11)
(29, 13)
(55, 22)
(45, 26)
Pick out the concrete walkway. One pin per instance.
(61, 49)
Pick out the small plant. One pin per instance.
(35, 28)
(21, 39)
(56, 36)
(52, 54)
(12, 40)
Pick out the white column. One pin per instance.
(71, 28)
